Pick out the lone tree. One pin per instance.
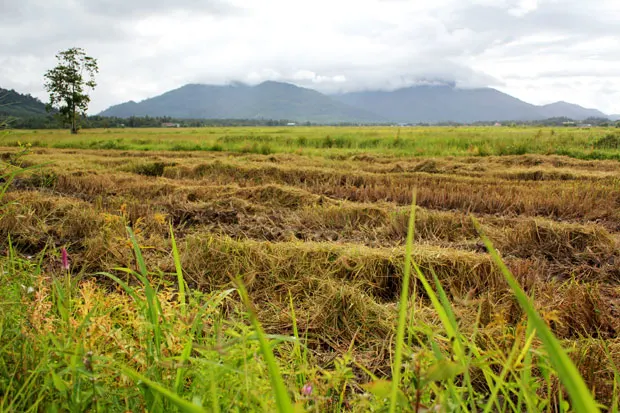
(66, 84)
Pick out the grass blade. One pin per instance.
(283, 402)
(402, 310)
(179, 270)
(581, 397)
(182, 405)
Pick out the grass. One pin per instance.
(277, 281)
(596, 143)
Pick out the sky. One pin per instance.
(540, 51)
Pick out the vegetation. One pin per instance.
(13, 104)
(287, 269)
(66, 84)
(341, 142)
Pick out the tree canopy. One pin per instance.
(68, 84)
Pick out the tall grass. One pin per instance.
(342, 141)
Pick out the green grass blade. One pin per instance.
(152, 301)
(445, 302)
(138, 253)
(402, 310)
(580, 395)
(283, 402)
(181, 404)
(130, 291)
(301, 377)
(510, 362)
(439, 308)
(179, 270)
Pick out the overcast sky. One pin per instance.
(540, 51)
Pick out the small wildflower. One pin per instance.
(65, 259)
(306, 390)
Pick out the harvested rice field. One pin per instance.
(101, 318)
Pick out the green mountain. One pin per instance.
(445, 103)
(268, 100)
(570, 110)
(14, 104)
(275, 100)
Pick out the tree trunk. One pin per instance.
(73, 123)
(74, 130)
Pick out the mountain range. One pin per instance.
(445, 103)
(276, 100)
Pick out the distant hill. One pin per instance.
(569, 110)
(276, 100)
(268, 100)
(614, 117)
(15, 104)
(442, 103)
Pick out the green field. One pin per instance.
(593, 143)
(286, 269)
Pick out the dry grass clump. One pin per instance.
(279, 196)
(212, 261)
(554, 241)
(32, 220)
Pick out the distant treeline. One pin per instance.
(51, 122)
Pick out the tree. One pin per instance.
(67, 84)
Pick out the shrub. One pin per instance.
(149, 169)
(609, 141)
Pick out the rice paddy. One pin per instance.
(313, 223)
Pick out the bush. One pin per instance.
(149, 169)
(609, 141)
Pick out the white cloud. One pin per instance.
(537, 50)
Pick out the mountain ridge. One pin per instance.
(267, 100)
(278, 100)
(570, 110)
(16, 104)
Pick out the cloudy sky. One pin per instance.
(537, 50)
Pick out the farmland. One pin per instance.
(313, 223)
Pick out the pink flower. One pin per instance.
(65, 259)
(307, 390)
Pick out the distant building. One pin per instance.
(584, 125)
(170, 125)
(497, 124)
(291, 124)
